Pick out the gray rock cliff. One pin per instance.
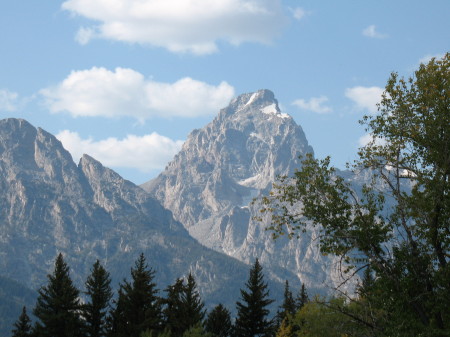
(49, 205)
(210, 184)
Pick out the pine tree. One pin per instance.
(192, 305)
(288, 308)
(22, 328)
(302, 298)
(58, 305)
(173, 308)
(99, 292)
(218, 322)
(138, 307)
(252, 312)
(184, 307)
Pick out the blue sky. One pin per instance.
(127, 80)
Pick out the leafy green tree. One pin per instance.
(98, 290)
(332, 318)
(252, 312)
(399, 225)
(58, 305)
(138, 306)
(285, 329)
(22, 328)
(218, 323)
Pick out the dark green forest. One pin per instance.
(141, 309)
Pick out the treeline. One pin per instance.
(138, 310)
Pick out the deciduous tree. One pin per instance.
(399, 225)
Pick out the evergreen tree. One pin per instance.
(252, 312)
(58, 305)
(173, 308)
(138, 307)
(99, 292)
(184, 307)
(218, 322)
(288, 308)
(192, 304)
(302, 298)
(22, 328)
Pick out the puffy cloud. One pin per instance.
(373, 33)
(314, 104)
(180, 25)
(144, 153)
(125, 92)
(366, 98)
(9, 100)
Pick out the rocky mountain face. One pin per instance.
(210, 184)
(49, 205)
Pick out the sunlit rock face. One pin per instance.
(210, 184)
(50, 205)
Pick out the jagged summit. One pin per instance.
(261, 102)
(211, 182)
(87, 211)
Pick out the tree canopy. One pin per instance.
(399, 223)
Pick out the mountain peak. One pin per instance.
(261, 103)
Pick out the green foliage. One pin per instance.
(285, 329)
(22, 328)
(184, 308)
(288, 307)
(252, 312)
(138, 307)
(329, 319)
(58, 305)
(218, 323)
(99, 294)
(407, 246)
(302, 298)
(196, 331)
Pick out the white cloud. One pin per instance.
(179, 25)
(144, 153)
(298, 13)
(125, 92)
(366, 98)
(373, 33)
(9, 100)
(315, 104)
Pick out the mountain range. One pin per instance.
(196, 216)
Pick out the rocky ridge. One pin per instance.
(210, 184)
(49, 205)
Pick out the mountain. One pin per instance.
(49, 205)
(210, 184)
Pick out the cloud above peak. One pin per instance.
(179, 25)
(125, 92)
